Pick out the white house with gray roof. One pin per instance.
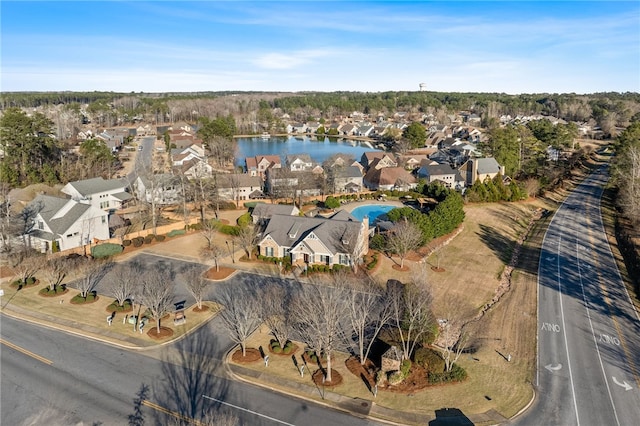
(104, 194)
(340, 239)
(68, 223)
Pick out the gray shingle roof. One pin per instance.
(334, 233)
(52, 205)
(265, 211)
(96, 185)
(487, 165)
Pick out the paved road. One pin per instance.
(143, 158)
(588, 331)
(70, 380)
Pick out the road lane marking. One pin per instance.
(248, 411)
(595, 340)
(174, 414)
(566, 344)
(624, 384)
(552, 367)
(607, 300)
(26, 352)
(546, 326)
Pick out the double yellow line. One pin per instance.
(26, 352)
(175, 414)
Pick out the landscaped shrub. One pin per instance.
(373, 263)
(288, 348)
(337, 267)
(244, 219)
(405, 367)
(395, 378)
(160, 238)
(228, 229)
(176, 232)
(381, 377)
(106, 250)
(126, 243)
(377, 242)
(429, 360)
(149, 238)
(331, 203)
(137, 241)
(277, 349)
(457, 374)
(195, 226)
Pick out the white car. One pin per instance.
(140, 148)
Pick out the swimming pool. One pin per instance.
(371, 210)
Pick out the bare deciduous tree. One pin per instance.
(411, 312)
(195, 283)
(25, 264)
(122, 281)
(209, 231)
(240, 314)
(404, 238)
(368, 311)
(276, 311)
(214, 252)
(157, 292)
(319, 310)
(247, 238)
(53, 271)
(91, 271)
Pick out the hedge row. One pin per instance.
(106, 250)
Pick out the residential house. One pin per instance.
(194, 169)
(262, 212)
(348, 130)
(299, 162)
(312, 127)
(340, 239)
(193, 151)
(161, 189)
(299, 128)
(108, 195)
(480, 169)
(389, 178)
(365, 130)
(112, 140)
(282, 183)
(411, 161)
(258, 165)
(63, 224)
(444, 173)
(381, 159)
(239, 187)
(343, 179)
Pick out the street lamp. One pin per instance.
(233, 260)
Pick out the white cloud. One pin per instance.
(288, 60)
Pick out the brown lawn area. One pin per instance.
(473, 263)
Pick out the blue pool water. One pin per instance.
(371, 210)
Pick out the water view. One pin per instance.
(318, 148)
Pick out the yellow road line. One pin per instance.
(26, 352)
(175, 414)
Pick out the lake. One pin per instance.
(318, 148)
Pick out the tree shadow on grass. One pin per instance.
(501, 246)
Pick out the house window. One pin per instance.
(343, 259)
(40, 225)
(324, 259)
(104, 219)
(268, 251)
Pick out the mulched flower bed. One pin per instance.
(79, 300)
(251, 355)
(336, 378)
(19, 284)
(114, 307)
(294, 349)
(221, 274)
(59, 291)
(203, 309)
(164, 332)
(398, 268)
(416, 381)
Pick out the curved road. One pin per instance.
(588, 369)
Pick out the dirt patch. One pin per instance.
(251, 355)
(364, 372)
(436, 269)
(222, 273)
(203, 309)
(415, 381)
(401, 269)
(318, 378)
(164, 333)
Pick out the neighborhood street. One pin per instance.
(50, 377)
(588, 331)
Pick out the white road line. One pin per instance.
(248, 411)
(566, 344)
(593, 334)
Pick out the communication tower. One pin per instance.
(423, 87)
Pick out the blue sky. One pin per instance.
(160, 46)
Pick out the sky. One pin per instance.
(509, 47)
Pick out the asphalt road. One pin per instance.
(588, 331)
(143, 158)
(64, 379)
